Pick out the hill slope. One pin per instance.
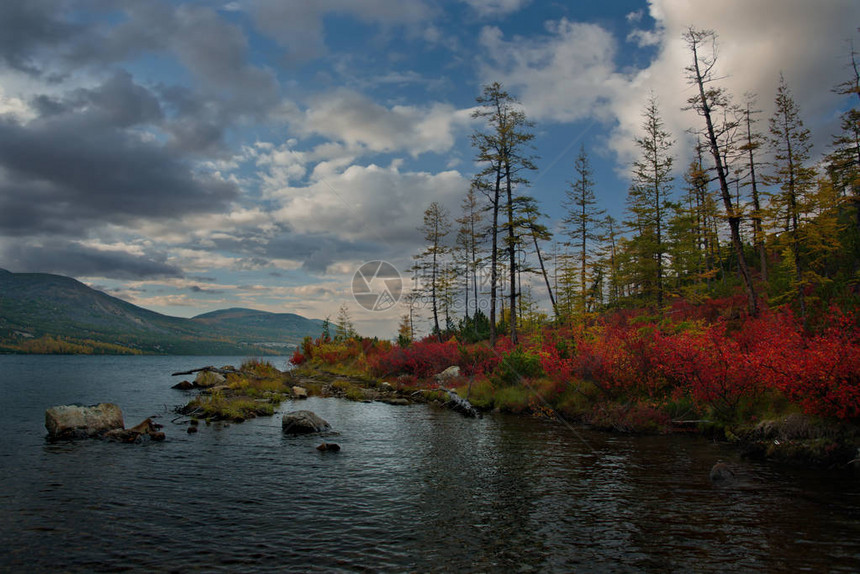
(39, 307)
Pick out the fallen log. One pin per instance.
(461, 405)
(211, 369)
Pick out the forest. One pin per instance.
(728, 296)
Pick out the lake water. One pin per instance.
(414, 489)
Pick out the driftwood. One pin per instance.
(211, 369)
(461, 405)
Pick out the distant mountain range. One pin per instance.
(43, 313)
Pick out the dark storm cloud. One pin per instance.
(317, 251)
(43, 37)
(76, 260)
(85, 162)
(28, 27)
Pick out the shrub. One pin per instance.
(519, 364)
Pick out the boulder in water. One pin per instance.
(77, 421)
(329, 446)
(183, 386)
(145, 430)
(721, 473)
(206, 379)
(303, 422)
(299, 392)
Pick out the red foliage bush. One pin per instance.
(298, 357)
(820, 373)
(423, 359)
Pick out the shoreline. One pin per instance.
(795, 440)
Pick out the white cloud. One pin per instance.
(376, 204)
(566, 75)
(496, 8)
(355, 120)
(757, 40)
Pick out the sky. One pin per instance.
(193, 156)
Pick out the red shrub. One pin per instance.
(298, 357)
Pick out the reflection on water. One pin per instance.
(413, 489)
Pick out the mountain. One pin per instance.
(261, 327)
(40, 312)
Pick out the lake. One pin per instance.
(414, 489)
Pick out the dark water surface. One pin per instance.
(414, 489)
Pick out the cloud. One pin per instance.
(496, 8)
(757, 41)
(567, 75)
(298, 26)
(356, 120)
(78, 260)
(370, 203)
(87, 160)
(28, 29)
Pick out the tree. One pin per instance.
(844, 161)
(435, 228)
(649, 200)
(468, 243)
(502, 150)
(707, 102)
(752, 144)
(790, 146)
(538, 232)
(610, 256)
(404, 331)
(344, 328)
(583, 220)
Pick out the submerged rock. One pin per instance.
(401, 402)
(721, 473)
(329, 446)
(77, 421)
(303, 422)
(145, 430)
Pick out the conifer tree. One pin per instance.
(502, 150)
(649, 201)
(790, 144)
(708, 101)
(582, 220)
(430, 261)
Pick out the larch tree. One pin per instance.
(430, 261)
(502, 150)
(844, 160)
(469, 242)
(649, 200)
(752, 144)
(790, 145)
(710, 103)
(582, 221)
(538, 232)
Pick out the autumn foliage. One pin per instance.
(705, 355)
